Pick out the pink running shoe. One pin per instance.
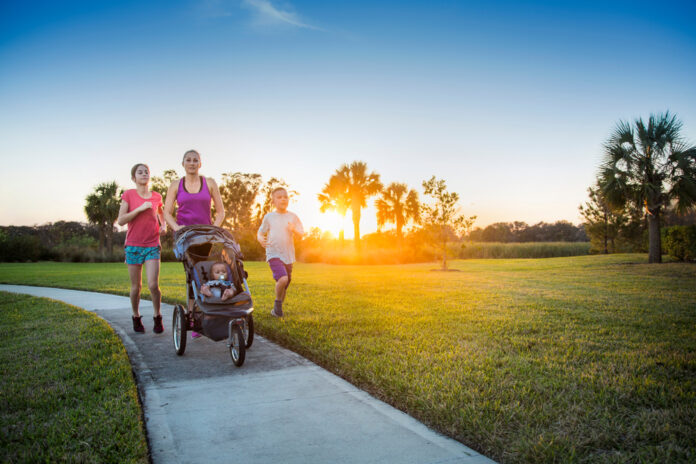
(195, 334)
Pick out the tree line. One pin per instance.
(436, 223)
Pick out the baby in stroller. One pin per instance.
(219, 287)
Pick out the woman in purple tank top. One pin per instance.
(193, 194)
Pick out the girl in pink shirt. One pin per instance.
(141, 209)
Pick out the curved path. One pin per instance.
(278, 407)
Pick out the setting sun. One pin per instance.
(332, 222)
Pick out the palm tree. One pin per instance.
(334, 196)
(649, 166)
(101, 208)
(397, 205)
(359, 187)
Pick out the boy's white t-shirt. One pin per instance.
(279, 239)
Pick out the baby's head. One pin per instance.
(219, 271)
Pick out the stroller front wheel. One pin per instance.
(237, 346)
(179, 327)
(248, 330)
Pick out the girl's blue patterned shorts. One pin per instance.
(138, 255)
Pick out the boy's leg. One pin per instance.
(280, 275)
(281, 292)
(281, 286)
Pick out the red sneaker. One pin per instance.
(138, 324)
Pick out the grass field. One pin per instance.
(581, 359)
(68, 394)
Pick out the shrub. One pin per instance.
(499, 250)
(20, 247)
(680, 242)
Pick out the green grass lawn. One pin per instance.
(68, 393)
(580, 359)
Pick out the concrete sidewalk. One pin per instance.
(278, 407)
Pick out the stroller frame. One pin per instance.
(230, 319)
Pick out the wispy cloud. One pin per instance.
(267, 13)
(213, 9)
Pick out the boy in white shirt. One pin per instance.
(276, 234)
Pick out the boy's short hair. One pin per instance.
(277, 189)
(135, 168)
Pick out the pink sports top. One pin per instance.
(143, 230)
(194, 208)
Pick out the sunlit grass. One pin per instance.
(582, 359)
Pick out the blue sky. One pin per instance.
(509, 103)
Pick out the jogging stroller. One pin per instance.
(199, 247)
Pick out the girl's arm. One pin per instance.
(160, 217)
(217, 201)
(169, 205)
(124, 217)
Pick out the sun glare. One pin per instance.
(331, 221)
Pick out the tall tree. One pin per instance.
(397, 205)
(442, 218)
(360, 185)
(239, 191)
(649, 166)
(101, 208)
(601, 223)
(334, 197)
(161, 184)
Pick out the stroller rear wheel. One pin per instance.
(179, 327)
(248, 330)
(237, 347)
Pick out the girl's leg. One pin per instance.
(135, 273)
(152, 269)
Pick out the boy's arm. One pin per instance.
(298, 230)
(263, 230)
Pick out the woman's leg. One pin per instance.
(152, 269)
(135, 273)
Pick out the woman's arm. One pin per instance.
(217, 201)
(124, 217)
(169, 205)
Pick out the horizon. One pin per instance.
(509, 104)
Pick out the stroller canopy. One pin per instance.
(200, 234)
